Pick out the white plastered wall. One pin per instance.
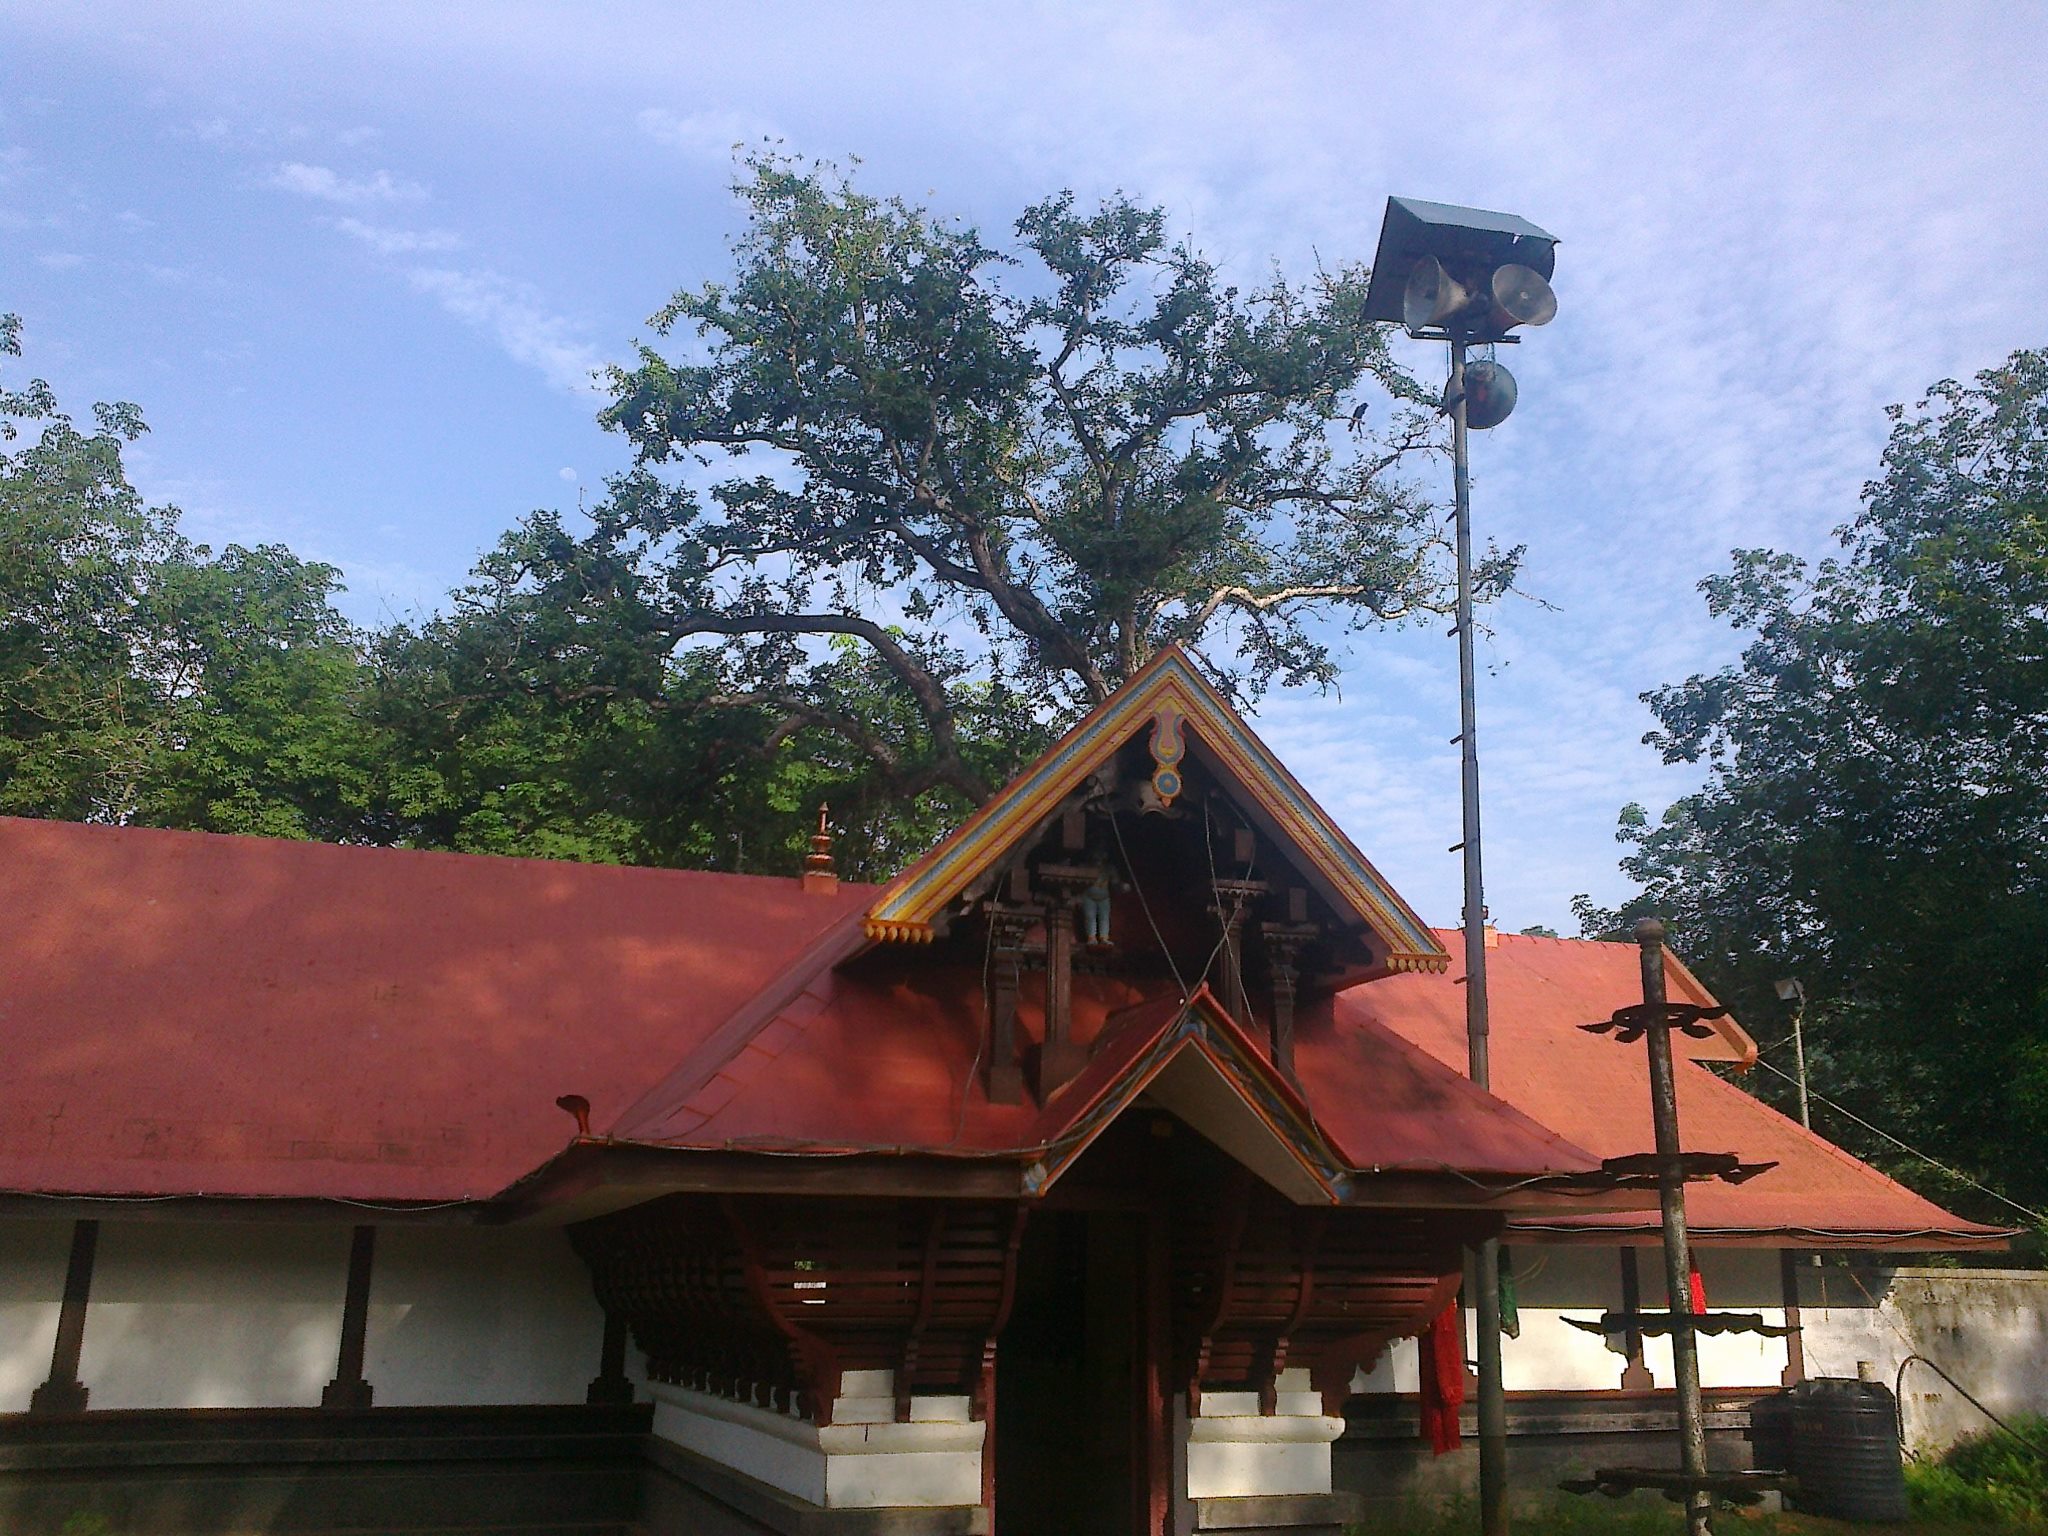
(1737, 1280)
(864, 1459)
(33, 1255)
(1987, 1328)
(213, 1315)
(475, 1315)
(1559, 1281)
(248, 1314)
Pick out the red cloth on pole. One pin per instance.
(1698, 1288)
(1443, 1379)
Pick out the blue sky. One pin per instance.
(356, 261)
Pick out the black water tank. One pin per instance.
(1845, 1450)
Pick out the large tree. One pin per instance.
(905, 502)
(1875, 817)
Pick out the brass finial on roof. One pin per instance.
(819, 874)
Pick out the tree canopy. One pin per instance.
(142, 677)
(903, 505)
(1875, 817)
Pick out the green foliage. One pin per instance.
(144, 679)
(1994, 1478)
(1041, 465)
(903, 505)
(1875, 819)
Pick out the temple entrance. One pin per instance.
(1070, 1424)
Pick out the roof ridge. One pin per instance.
(58, 826)
(834, 944)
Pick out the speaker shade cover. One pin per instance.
(1489, 395)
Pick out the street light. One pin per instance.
(1464, 275)
(1790, 991)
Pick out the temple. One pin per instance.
(1099, 1174)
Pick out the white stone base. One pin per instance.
(864, 1459)
(1234, 1451)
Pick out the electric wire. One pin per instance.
(1956, 1173)
(1146, 907)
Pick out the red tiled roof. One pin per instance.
(856, 1060)
(185, 1013)
(1596, 1092)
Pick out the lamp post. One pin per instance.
(1464, 275)
(1790, 991)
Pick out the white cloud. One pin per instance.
(513, 315)
(706, 136)
(567, 473)
(329, 186)
(397, 242)
(60, 261)
(353, 137)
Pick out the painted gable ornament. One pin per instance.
(1169, 746)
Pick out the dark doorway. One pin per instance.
(1069, 1426)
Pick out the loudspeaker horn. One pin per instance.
(1432, 295)
(1521, 296)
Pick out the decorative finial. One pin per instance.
(578, 1106)
(819, 875)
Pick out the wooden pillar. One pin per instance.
(610, 1385)
(1060, 1057)
(1795, 1347)
(1635, 1376)
(63, 1392)
(1283, 954)
(348, 1389)
(1155, 1448)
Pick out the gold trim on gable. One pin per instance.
(905, 911)
(897, 933)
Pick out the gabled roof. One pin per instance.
(864, 1061)
(1168, 696)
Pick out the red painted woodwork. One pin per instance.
(777, 1297)
(1261, 1284)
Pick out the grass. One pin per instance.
(1993, 1481)
(1644, 1516)
(1993, 1484)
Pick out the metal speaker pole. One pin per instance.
(1493, 1412)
